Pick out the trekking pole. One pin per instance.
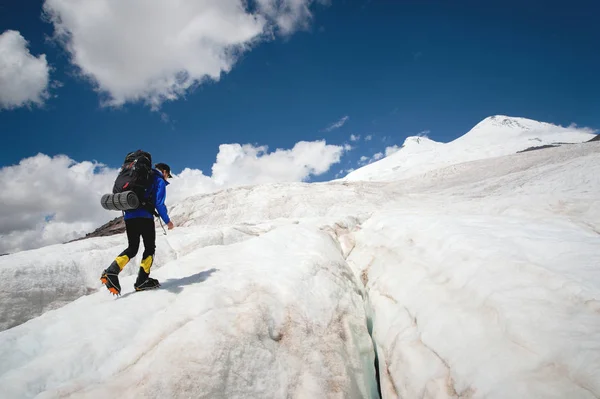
(163, 227)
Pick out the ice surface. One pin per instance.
(475, 279)
(47, 278)
(487, 306)
(279, 315)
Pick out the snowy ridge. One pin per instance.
(493, 137)
(34, 281)
(514, 123)
(419, 144)
(477, 279)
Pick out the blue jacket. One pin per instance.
(160, 192)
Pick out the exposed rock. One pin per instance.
(597, 138)
(541, 147)
(115, 226)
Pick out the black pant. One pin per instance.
(140, 227)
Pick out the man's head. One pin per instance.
(165, 169)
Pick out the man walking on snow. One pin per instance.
(140, 222)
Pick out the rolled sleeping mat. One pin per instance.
(124, 201)
(108, 202)
(127, 200)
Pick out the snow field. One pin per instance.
(493, 137)
(47, 278)
(477, 306)
(477, 278)
(280, 315)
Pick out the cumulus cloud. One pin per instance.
(343, 172)
(337, 124)
(289, 15)
(354, 137)
(364, 160)
(247, 164)
(391, 150)
(52, 200)
(156, 51)
(23, 78)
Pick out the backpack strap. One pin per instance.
(149, 204)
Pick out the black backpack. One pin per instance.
(136, 175)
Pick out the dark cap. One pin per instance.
(164, 167)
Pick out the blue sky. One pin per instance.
(394, 68)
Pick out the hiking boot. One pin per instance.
(110, 278)
(144, 282)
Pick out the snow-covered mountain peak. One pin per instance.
(494, 136)
(421, 141)
(510, 122)
(417, 144)
(499, 127)
(500, 135)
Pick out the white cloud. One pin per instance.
(156, 51)
(354, 137)
(369, 137)
(247, 164)
(392, 149)
(582, 129)
(23, 78)
(337, 124)
(58, 189)
(364, 160)
(289, 15)
(52, 200)
(343, 172)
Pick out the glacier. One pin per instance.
(446, 270)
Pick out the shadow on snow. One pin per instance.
(176, 285)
